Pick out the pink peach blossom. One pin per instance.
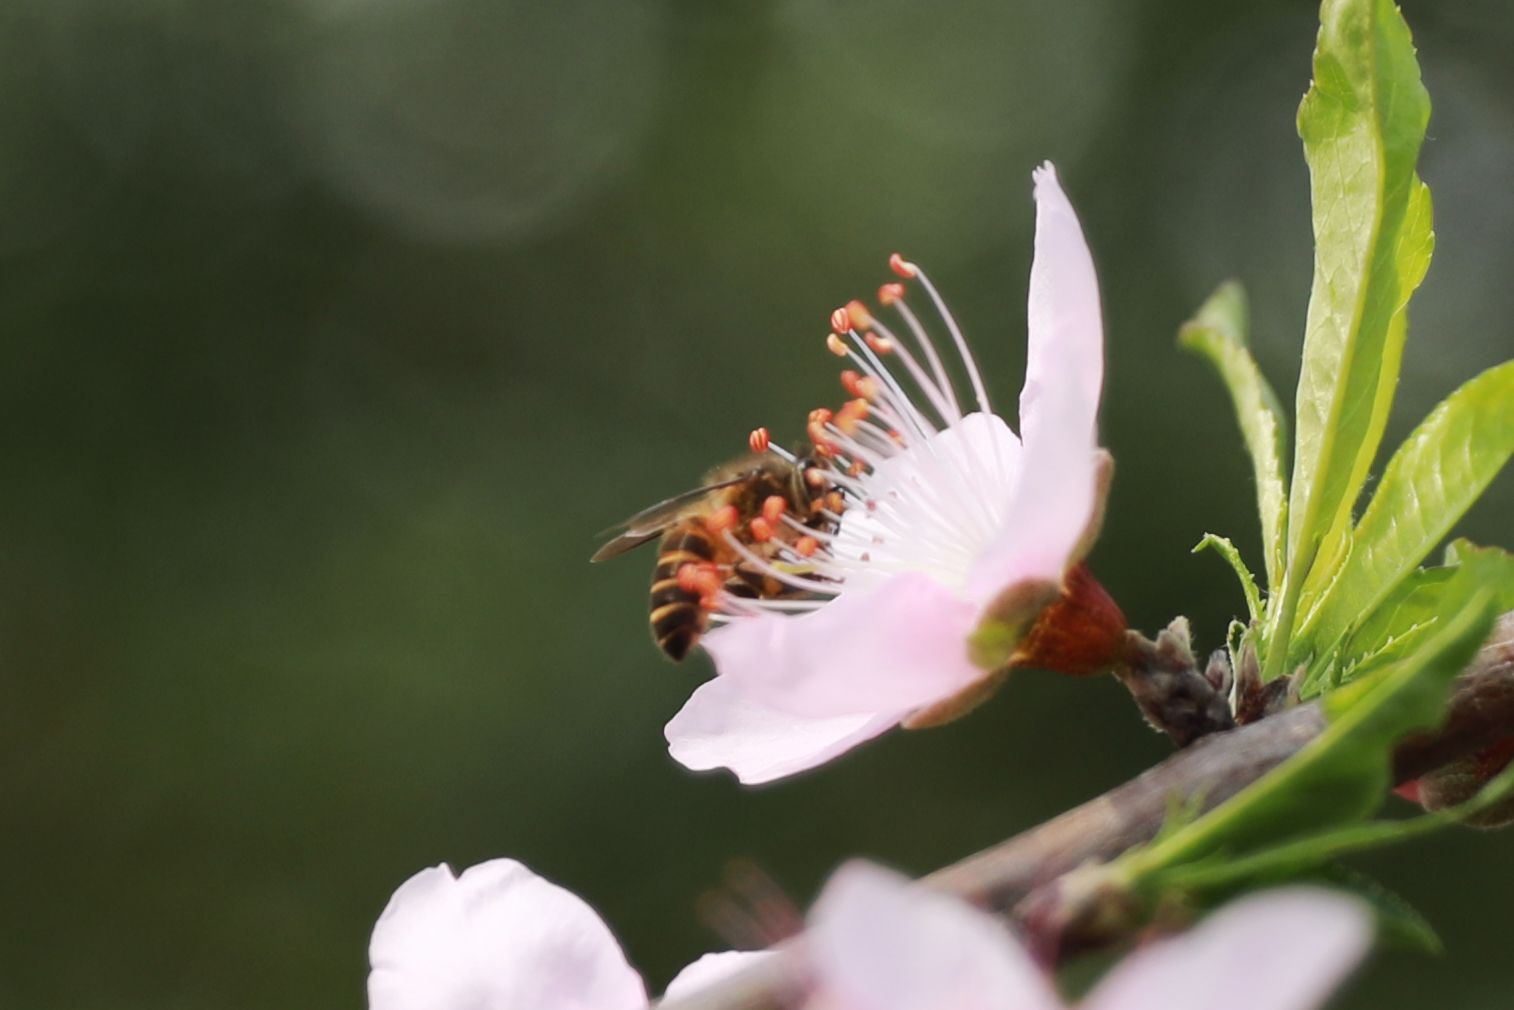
(949, 511)
(499, 937)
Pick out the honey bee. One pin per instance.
(766, 502)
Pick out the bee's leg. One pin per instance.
(746, 583)
(750, 584)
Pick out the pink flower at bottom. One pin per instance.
(495, 936)
(955, 532)
(498, 937)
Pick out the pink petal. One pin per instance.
(719, 727)
(887, 648)
(1059, 404)
(496, 936)
(713, 968)
(1282, 950)
(1065, 353)
(880, 943)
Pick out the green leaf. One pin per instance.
(1362, 124)
(1394, 629)
(1312, 850)
(1342, 776)
(1221, 873)
(1416, 235)
(1430, 482)
(1410, 613)
(1497, 568)
(1218, 332)
(1227, 550)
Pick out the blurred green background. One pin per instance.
(332, 331)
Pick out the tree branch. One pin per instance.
(1213, 769)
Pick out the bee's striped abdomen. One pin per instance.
(676, 616)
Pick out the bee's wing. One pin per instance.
(619, 545)
(650, 522)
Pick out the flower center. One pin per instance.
(907, 481)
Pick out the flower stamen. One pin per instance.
(722, 520)
(937, 367)
(901, 266)
(956, 332)
(765, 567)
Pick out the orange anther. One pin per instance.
(761, 529)
(836, 345)
(860, 386)
(815, 477)
(722, 519)
(774, 506)
(835, 502)
(901, 266)
(759, 440)
(851, 412)
(705, 579)
(859, 313)
(709, 596)
(815, 429)
(880, 345)
(863, 387)
(841, 321)
(890, 293)
(855, 469)
(806, 546)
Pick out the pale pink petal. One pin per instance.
(892, 647)
(496, 936)
(1282, 950)
(1065, 331)
(1059, 404)
(881, 943)
(713, 968)
(720, 727)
